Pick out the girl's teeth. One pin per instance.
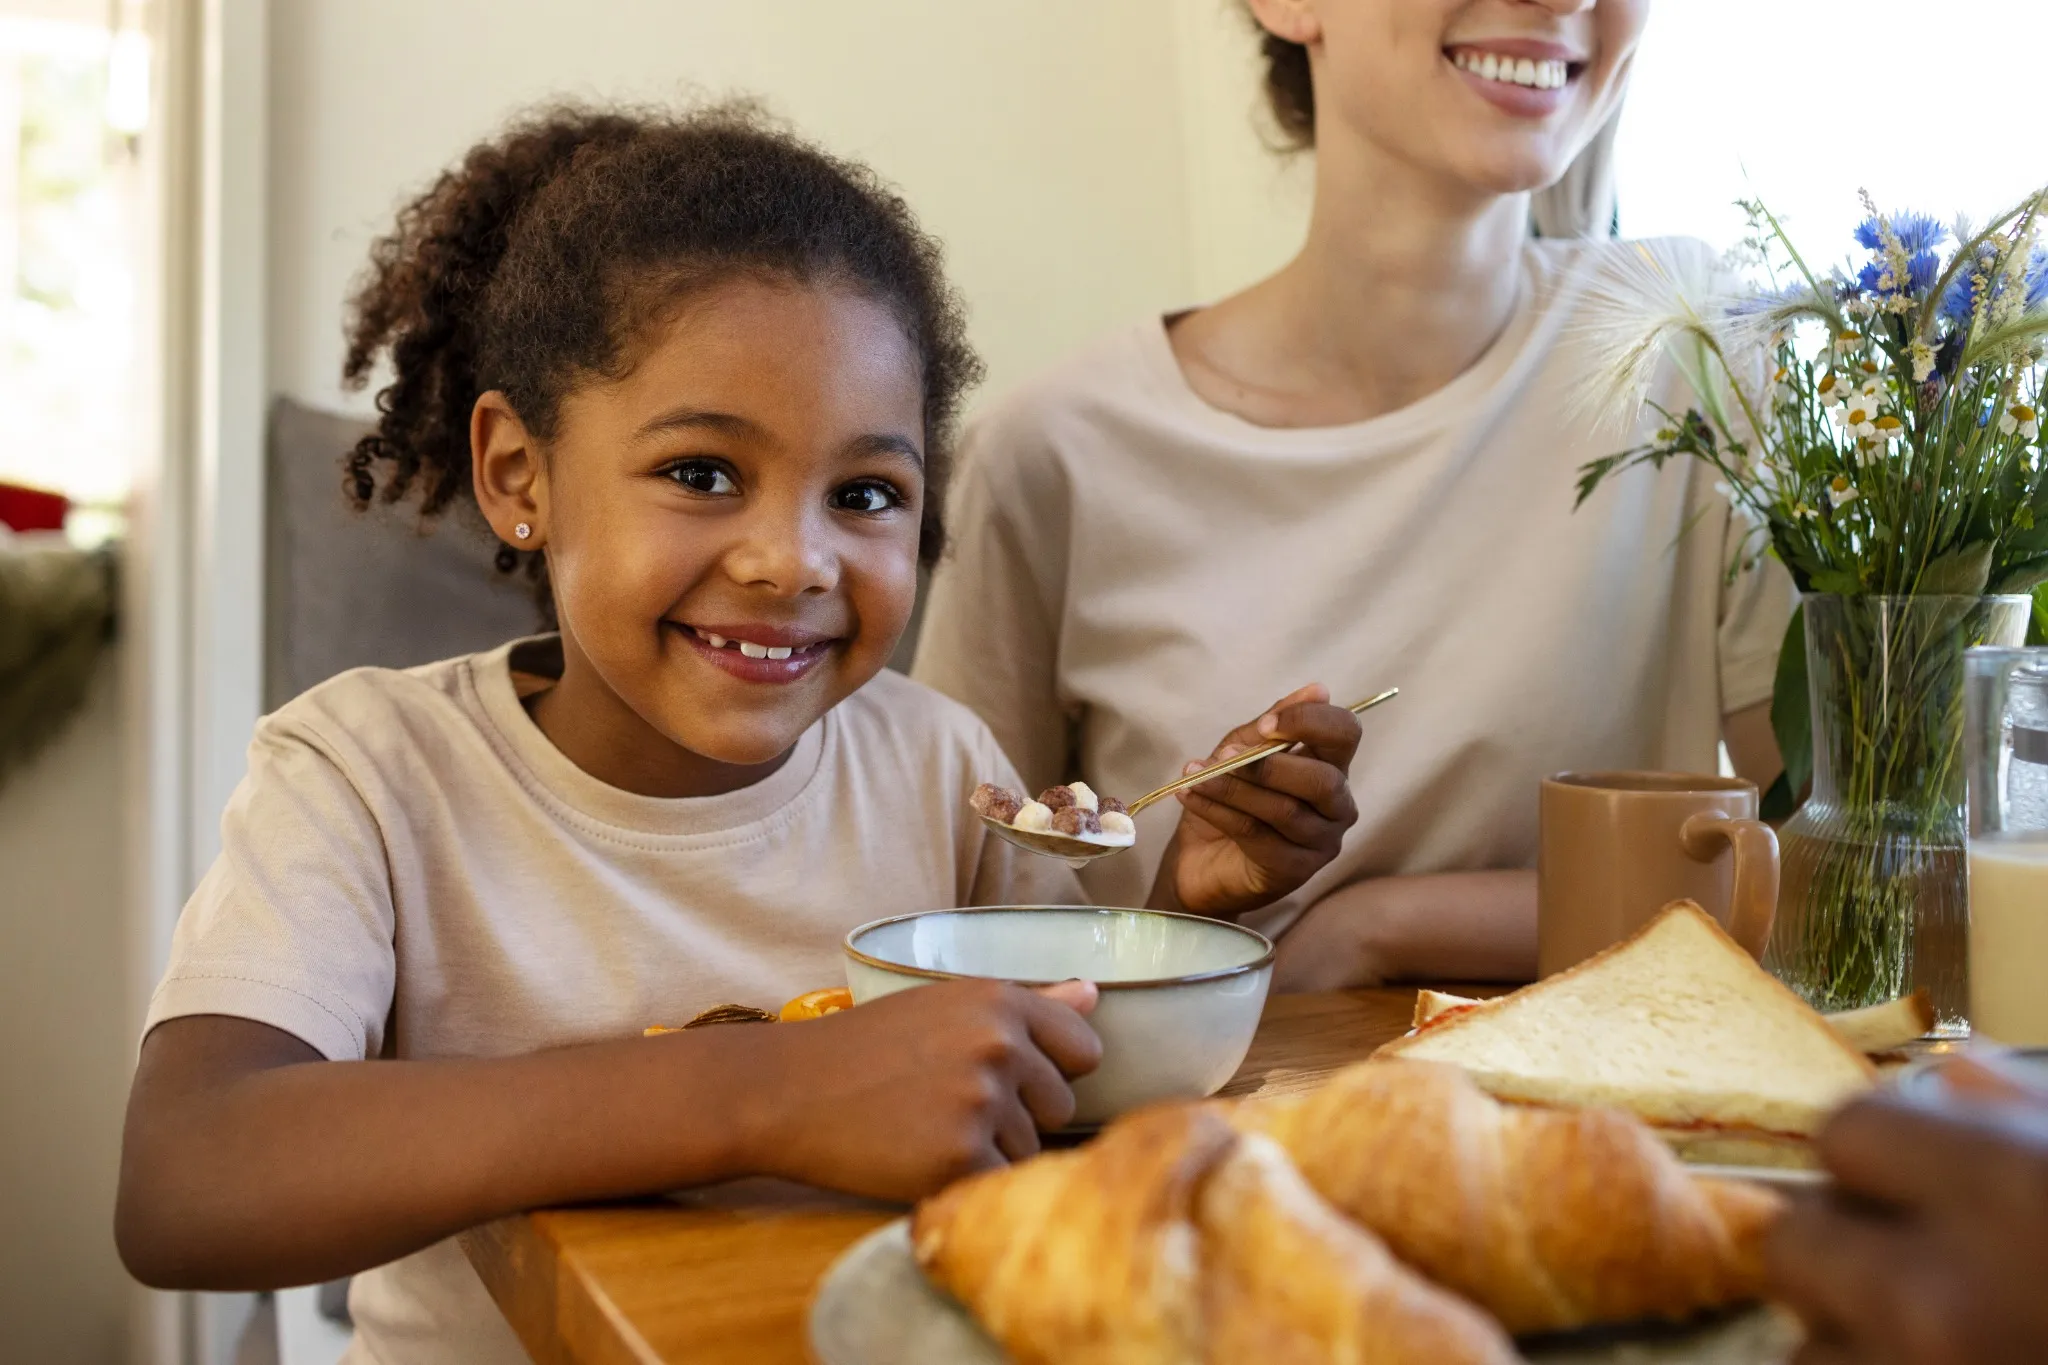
(778, 651)
(752, 650)
(715, 641)
(1537, 75)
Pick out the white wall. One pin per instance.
(66, 1012)
(1085, 162)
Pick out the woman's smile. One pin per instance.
(1524, 77)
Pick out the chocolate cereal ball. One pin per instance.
(1057, 798)
(1075, 821)
(996, 803)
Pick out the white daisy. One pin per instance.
(2022, 419)
(1831, 389)
(1858, 417)
(1841, 492)
(1848, 342)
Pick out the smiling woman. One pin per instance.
(1362, 469)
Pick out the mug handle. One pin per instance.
(1754, 901)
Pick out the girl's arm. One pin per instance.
(249, 1162)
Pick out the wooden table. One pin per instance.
(726, 1274)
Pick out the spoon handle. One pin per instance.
(1245, 759)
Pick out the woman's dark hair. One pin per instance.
(539, 262)
(1290, 95)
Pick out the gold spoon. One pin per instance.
(1076, 850)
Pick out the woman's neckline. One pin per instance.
(1429, 411)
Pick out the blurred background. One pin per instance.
(188, 186)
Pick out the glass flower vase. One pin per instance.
(1873, 901)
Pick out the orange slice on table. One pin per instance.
(817, 1004)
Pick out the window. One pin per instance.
(74, 99)
(1936, 107)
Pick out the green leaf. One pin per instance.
(2024, 576)
(1791, 721)
(2038, 634)
(1961, 573)
(1842, 581)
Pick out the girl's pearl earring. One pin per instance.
(522, 530)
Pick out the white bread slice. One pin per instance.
(1874, 1028)
(1434, 1004)
(1675, 1024)
(1881, 1028)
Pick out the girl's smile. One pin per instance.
(759, 653)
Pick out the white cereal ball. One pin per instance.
(1117, 823)
(1033, 815)
(1084, 796)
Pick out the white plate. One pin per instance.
(875, 1307)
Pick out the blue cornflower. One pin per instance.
(1921, 268)
(1916, 232)
(1959, 302)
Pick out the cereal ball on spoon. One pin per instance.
(1057, 798)
(1075, 821)
(1033, 816)
(996, 803)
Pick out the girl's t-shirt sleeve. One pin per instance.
(292, 926)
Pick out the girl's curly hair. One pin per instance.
(538, 262)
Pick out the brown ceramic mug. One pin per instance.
(1618, 847)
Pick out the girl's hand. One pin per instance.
(1250, 837)
(905, 1094)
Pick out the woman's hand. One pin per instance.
(904, 1094)
(1932, 1247)
(1250, 837)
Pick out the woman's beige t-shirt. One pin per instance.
(1134, 572)
(412, 870)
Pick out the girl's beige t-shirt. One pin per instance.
(1133, 572)
(411, 870)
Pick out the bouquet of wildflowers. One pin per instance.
(1879, 428)
(1891, 442)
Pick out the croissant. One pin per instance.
(1172, 1239)
(1551, 1219)
(1287, 1280)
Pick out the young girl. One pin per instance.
(707, 376)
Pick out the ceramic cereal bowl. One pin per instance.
(1180, 995)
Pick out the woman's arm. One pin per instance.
(249, 1162)
(1753, 745)
(1447, 926)
(1455, 926)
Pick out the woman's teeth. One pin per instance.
(748, 647)
(1490, 66)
